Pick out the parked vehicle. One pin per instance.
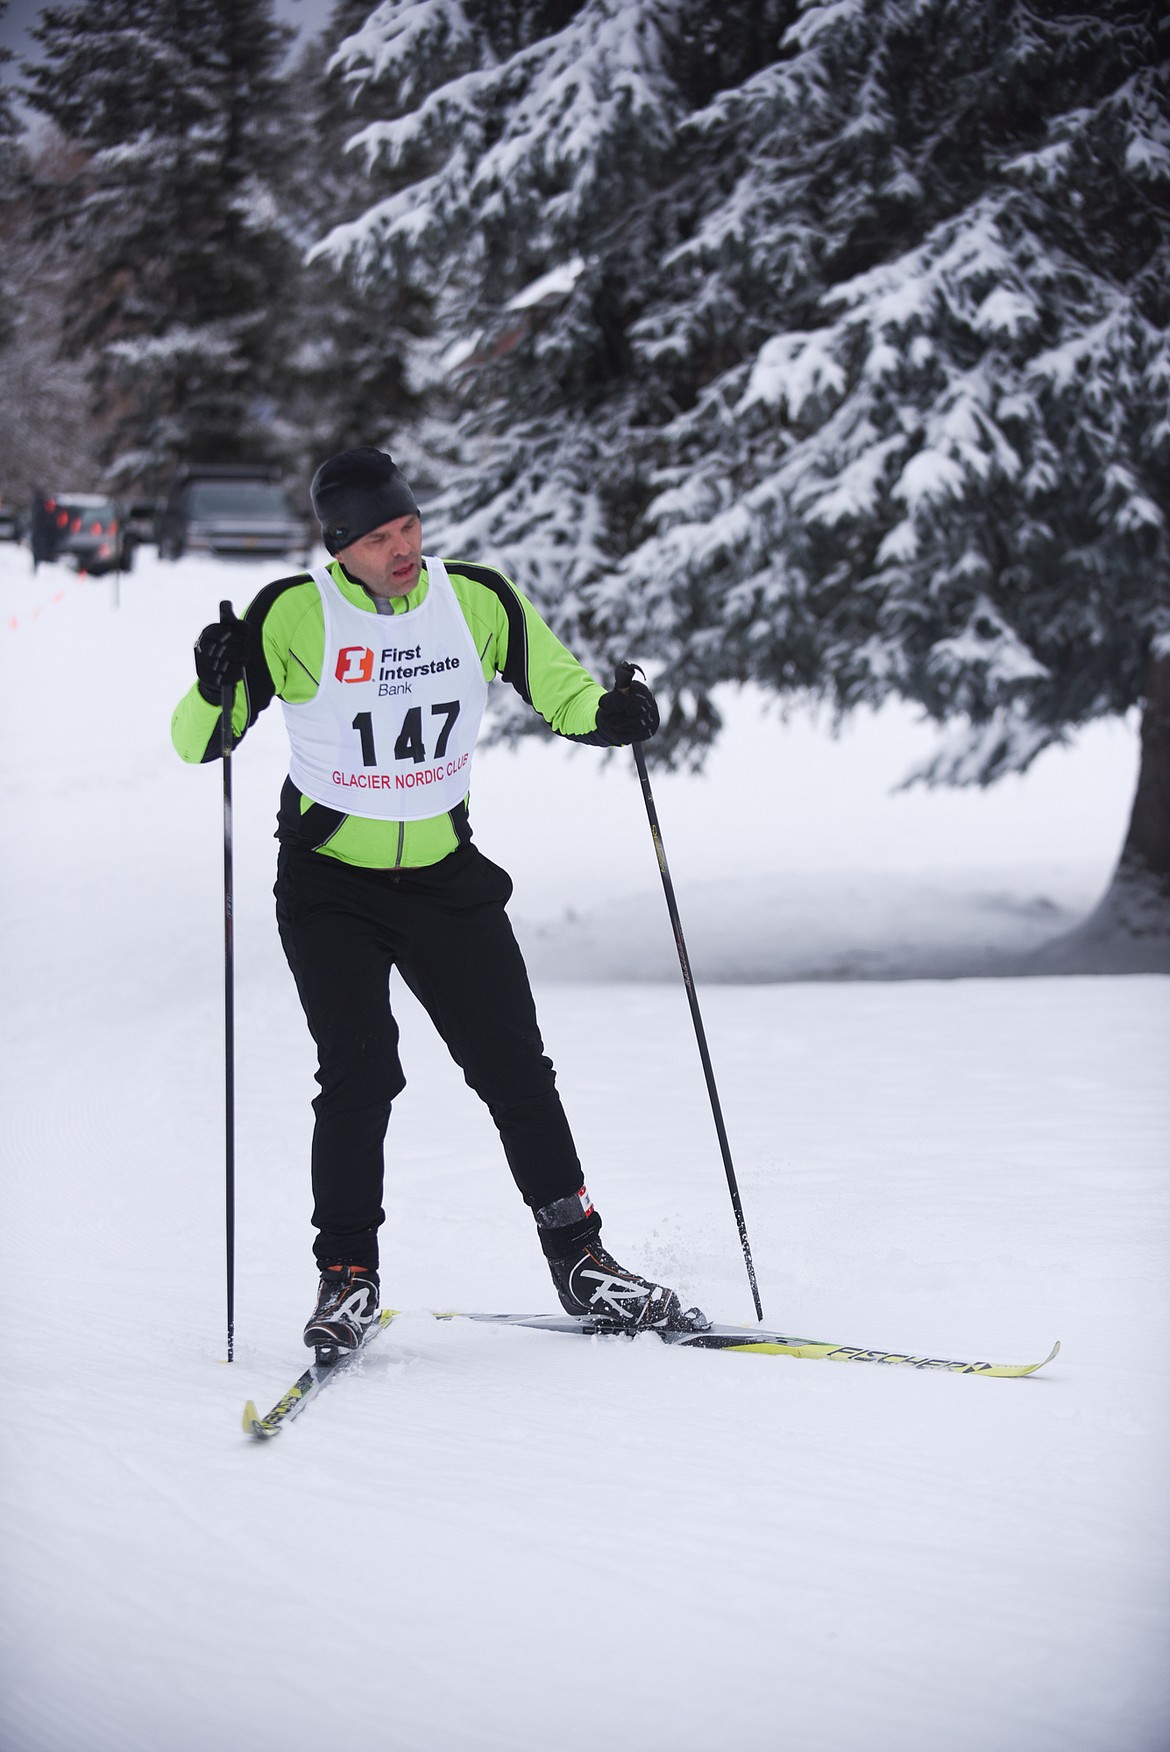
(140, 520)
(84, 529)
(9, 522)
(231, 510)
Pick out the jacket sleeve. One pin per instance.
(195, 724)
(526, 653)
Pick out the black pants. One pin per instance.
(445, 929)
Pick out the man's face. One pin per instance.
(389, 559)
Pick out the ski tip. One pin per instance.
(1032, 1368)
(254, 1424)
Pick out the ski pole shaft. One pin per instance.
(229, 1078)
(625, 674)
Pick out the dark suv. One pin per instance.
(230, 511)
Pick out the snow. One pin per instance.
(857, 487)
(792, 369)
(502, 1539)
(385, 39)
(930, 476)
(1006, 311)
(556, 284)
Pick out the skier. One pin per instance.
(381, 660)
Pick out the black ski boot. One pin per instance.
(347, 1304)
(590, 1282)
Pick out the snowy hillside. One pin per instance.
(508, 1540)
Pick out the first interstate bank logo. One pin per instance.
(396, 668)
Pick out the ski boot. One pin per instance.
(347, 1306)
(591, 1284)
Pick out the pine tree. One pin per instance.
(48, 439)
(344, 338)
(516, 161)
(179, 251)
(822, 344)
(957, 486)
(10, 171)
(955, 449)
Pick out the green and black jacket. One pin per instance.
(512, 640)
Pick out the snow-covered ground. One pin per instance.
(506, 1540)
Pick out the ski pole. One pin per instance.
(225, 731)
(622, 680)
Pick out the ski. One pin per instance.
(307, 1386)
(746, 1339)
(762, 1343)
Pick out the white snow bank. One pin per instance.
(499, 1539)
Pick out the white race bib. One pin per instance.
(393, 725)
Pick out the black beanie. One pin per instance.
(356, 491)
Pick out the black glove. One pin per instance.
(224, 652)
(626, 716)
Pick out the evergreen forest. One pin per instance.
(822, 345)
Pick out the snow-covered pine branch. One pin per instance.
(862, 386)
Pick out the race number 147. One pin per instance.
(409, 744)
